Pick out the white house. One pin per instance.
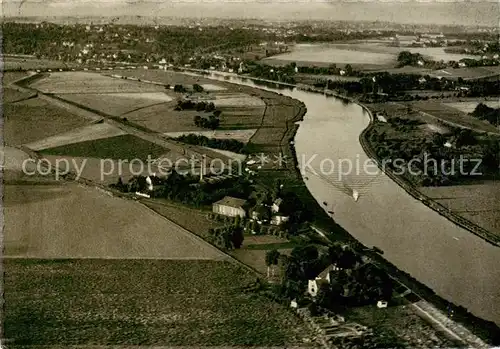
(229, 206)
(313, 286)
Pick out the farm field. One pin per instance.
(478, 203)
(71, 221)
(452, 115)
(163, 118)
(141, 302)
(469, 106)
(82, 134)
(84, 82)
(126, 147)
(36, 119)
(117, 104)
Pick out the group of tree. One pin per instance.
(412, 59)
(211, 122)
(483, 112)
(437, 165)
(228, 237)
(224, 144)
(186, 188)
(197, 88)
(179, 88)
(282, 74)
(188, 104)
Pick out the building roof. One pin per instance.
(231, 202)
(325, 272)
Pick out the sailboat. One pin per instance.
(355, 194)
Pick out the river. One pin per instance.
(456, 264)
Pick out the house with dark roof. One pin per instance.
(230, 206)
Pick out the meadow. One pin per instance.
(141, 302)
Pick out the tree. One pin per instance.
(197, 88)
(272, 258)
(348, 69)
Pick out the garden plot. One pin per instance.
(84, 82)
(469, 107)
(35, 119)
(117, 104)
(87, 133)
(72, 221)
(240, 135)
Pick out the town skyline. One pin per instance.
(480, 13)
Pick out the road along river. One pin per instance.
(456, 264)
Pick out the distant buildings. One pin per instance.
(230, 206)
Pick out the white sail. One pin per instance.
(355, 194)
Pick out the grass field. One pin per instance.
(35, 119)
(477, 202)
(469, 106)
(140, 302)
(126, 147)
(84, 82)
(82, 134)
(71, 221)
(117, 104)
(448, 114)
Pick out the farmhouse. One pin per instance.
(313, 286)
(229, 206)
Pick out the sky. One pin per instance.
(454, 12)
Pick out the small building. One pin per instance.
(276, 205)
(313, 286)
(230, 206)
